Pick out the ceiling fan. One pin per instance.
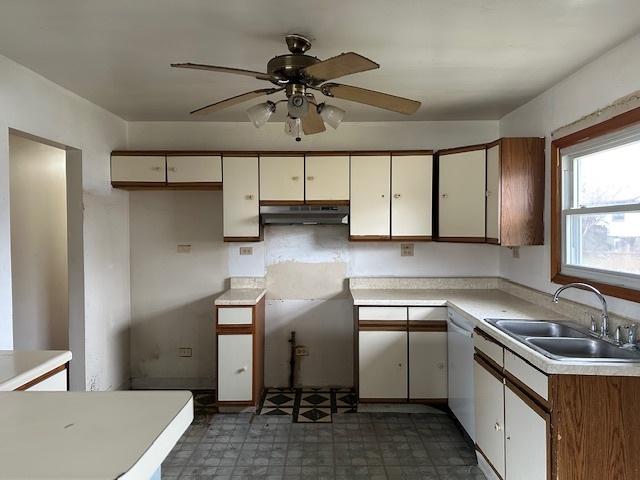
(298, 75)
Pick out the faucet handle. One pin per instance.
(631, 334)
(618, 337)
(594, 326)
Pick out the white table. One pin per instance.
(90, 435)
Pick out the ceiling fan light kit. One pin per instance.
(297, 74)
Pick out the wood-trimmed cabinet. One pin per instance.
(401, 354)
(281, 179)
(327, 179)
(240, 199)
(55, 380)
(240, 347)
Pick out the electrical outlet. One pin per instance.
(246, 250)
(302, 351)
(185, 352)
(183, 248)
(406, 249)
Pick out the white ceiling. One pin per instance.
(464, 59)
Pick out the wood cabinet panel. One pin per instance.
(370, 204)
(382, 360)
(139, 169)
(194, 169)
(282, 179)
(235, 368)
(427, 365)
(327, 178)
(461, 202)
(411, 189)
(240, 198)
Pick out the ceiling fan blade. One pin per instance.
(214, 107)
(339, 66)
(214, 68)
(312, 121)
(371, 97)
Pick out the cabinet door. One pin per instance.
(240, 198)
(462, 195)
(194, 169)
(327, 178)
(382, 364)
(493, 193)
(282, 179)
(526, 445)
(133, 168)
(489, 405)
(55, 383)
(370, 205)
(427, 365)
(411, 187)
(235, 368)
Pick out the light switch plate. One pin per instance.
(246, 250)
(406, 249)
(183, 248)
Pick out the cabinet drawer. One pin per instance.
(490, 348)
(428, 313)
(194, 169)
(235, 368)
(138, 168)
(527, 374)
(382, 313)
(235, 316)
(55, 383)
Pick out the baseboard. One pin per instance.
(172, 384)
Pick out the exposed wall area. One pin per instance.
(595, 86)
(39, 273)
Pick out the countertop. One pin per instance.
(18, 367)
(479, 304)
(240, 296)
(97, 435)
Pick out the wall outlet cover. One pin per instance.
(185, 352)
(406, 249)
(302, 351)
(246, 250)
(183, 248)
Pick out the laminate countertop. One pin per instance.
(240, 296)
(97, 435)
(480, 304)
(18, 367)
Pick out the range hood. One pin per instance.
(305, 215)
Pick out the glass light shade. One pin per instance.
(259, 114)
(331, 115)
(292, 127)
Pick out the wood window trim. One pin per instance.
(611, 125)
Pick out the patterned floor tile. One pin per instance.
(313, 415)
(315, 399)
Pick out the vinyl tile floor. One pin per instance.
(355, 446)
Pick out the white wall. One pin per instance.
(306, 266)
(34, 105)
(596, 85)
(38, 245)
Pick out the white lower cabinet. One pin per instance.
(382, 364)
(427, 365)
(489, 406)
(54, 383)
(526, 446)
(235, 368)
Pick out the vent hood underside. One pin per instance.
(305, 215)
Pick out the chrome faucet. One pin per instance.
(604, 326)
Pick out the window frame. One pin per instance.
(604, 281)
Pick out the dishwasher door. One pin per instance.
(460, 371)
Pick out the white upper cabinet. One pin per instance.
(493, 193)
(194, 169)
(370, 205)
(138, 168)
(461, 212)
(411, 189)
(281, 179)
(327, 178)
(240, 198)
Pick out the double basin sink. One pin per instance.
(560, 341)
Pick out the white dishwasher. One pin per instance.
(460, 370)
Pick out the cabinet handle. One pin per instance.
(172, 169)
(382, 196)
(295, 179)
(248, 197)
(508, 437)
(400, 365)
(497, 427)
(488, 193)
(445, 195)
(243, 369)
(396, 195)
(311, 178)
(156, 169)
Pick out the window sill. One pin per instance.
(607, 289)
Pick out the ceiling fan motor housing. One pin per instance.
(286, 68)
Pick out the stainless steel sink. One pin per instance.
(591, 349)
(528, 328)
(564, 341)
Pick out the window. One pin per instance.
(596, 202)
